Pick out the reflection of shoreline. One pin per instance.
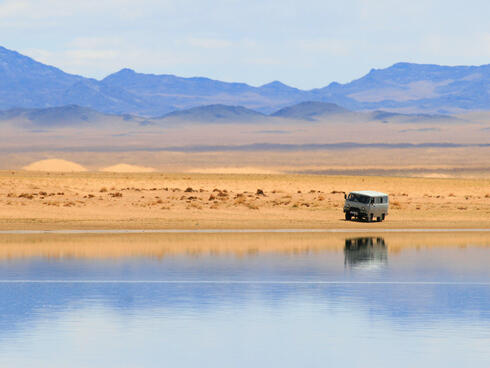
(364, 251)
(162, 245)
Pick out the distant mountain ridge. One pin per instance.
(309, 110)
(403, 87)
(216, 113)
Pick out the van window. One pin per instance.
(358, 198)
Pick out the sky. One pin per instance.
(306, 43)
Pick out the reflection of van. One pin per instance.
(365, 251)
(367, 205)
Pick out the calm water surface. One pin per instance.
(365, 306)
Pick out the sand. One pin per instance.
(125, 168)
(55, 165)
(96, 200)
(233, 170)
(442, 162)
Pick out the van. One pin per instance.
(366, 205)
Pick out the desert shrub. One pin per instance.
(260, 192)
(116, 195)
(189, 190)
(26, 196)
(211, 198)
(396, 204)
(240, 200)
(103, 190)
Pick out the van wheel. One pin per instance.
(348, 216)
(378, 219)
(383, 217)
(370, 218)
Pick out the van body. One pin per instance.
(366, 205)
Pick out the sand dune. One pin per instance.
(125, 168)
(55, 165)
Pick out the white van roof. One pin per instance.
(371, 193)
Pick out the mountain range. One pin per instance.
(403, 87)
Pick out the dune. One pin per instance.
(55, 165)
(125, 168)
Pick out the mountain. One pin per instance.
(69, 116)
(309, 110)
(169, 93)
(392, 117)
(53, 116)
(28, 83)
(216, 114)
(416, 88)
(403, 88)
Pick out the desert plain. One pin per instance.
(232, 198)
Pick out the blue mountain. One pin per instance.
(403, 87)
(309, 110)
(215, 114)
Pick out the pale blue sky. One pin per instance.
(307, 43)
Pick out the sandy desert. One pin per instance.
(74, 198)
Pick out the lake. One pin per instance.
(383, 300)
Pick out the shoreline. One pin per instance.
(234, 231)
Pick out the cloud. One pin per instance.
(457, 47)
(95, 42)
(209, 43)
(332, 47)
(12, 8)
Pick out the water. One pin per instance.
(363, 306)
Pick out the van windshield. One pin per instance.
(358, 198)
